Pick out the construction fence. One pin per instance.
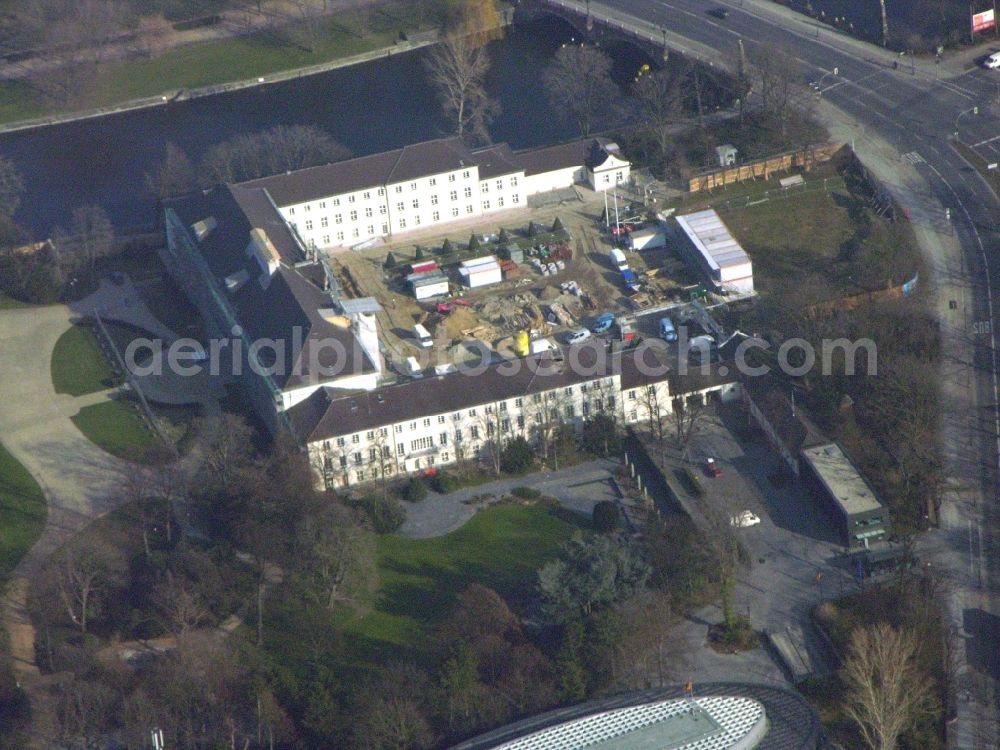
(764, 168)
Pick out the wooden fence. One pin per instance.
(764, 168)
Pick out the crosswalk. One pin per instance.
(913, 157)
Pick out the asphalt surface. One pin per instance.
(915, 107)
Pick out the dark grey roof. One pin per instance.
(286, 309)
(589, 152)
(429, 157)
(329, 413)
(313, 183)
(494, 161)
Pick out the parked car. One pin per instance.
(721, 13)
(743, 519)
(992, 62)
(575, 337)
(603, 323)
(712, 468)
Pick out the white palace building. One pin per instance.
(352, 202)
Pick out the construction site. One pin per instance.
(531, 286)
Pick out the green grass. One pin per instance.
(501, 547)
(22, 512)
(221, 61)
(117, 428)
(78, 365)
(9, 303)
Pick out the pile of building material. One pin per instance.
(480, 271)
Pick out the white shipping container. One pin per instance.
(646, 239)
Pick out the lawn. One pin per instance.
(117, 428)
(22, 512)
(78, 365)
(9, 303)
(500, 547)
(223, 61)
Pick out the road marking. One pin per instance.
(988, 140)
(913, 157)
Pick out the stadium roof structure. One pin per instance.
(723, 716)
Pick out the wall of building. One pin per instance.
(612, 172)
(557, 179)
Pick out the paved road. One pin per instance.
(901, 120)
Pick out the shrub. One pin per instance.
(693, 483)
(605, 517)
(600, 436)
(385, 513)
(532, 229)
(503, 236)
(557, 225)
(419, 254)
(415, 491)
(447, 248)
(390, 261)
(473, 243)
(526, 493)
(445, 483)
(517, 456)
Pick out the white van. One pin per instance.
(992, 62)
(667, 330)
(618, 261)
(422, 336)
(413, 368)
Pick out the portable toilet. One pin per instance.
(522, 344)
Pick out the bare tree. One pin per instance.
(660, 96)
(886, 690)
(282, 148)
(579, 84)
(179, 605)
(489, 428)
(226, 449)
(11, 187)
(338, 556)
(457, 67)
(776, 71)
(89, 238)
(175, 176)
(687, 415)
(84, 576)
(654, 409)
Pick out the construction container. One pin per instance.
(522, 344)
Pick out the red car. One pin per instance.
(712, 468)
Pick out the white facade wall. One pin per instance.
(426, 291)
(557, 179)
(362, 381)
(612, 172)
(502, 193)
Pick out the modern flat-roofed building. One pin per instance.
(860, 515)
(716, 253)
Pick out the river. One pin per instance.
(372, 107)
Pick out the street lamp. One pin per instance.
(972, 110)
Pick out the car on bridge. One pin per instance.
(721, 13)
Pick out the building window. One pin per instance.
(513, 181)
(444, 457)
(500, 201)
(308, 207)
(400, 449)
(505, 425)
(489, 409)
(484, 188)
(453, 195)
(568, 390)
(361, 476)
(413, 186)
(354, 215)
(432, 181)
(631, 395)
(416, 203)
(399, 428)
(326, 239)
(618, 177)
(350, 199)
(357, 458)
(322, 204)
(372, 455)
(443, 439)
(454, 211)
(468, 192)
(469, 209)
(371, 229)
(607, 179)
(381, 191)
(475, 432)
(451, 178)
(436, 216)
(338, 218)
(518, 401)
(486, 205)
(401, 206)
(399, 188)
(413, 425)
(340, 236)
(499, 184)
(368, 194)
(490, 428)
(441, 419)
(427, 422)
(416, 221)
(570, 411)
(520, 423)
(340, 442)
(385, 229)
(355, 438)
(434, 200)
(368, 212)
(421, 444)
(458, 435)
(633, 415)
(356, 232)
(465, 174)
(382, 210)
(291, 212)
(586, 408)
(402, 223)
(503, 406)
(343, 462)
(515, 198)
(325, 221)
(536, 398)
(309, 225)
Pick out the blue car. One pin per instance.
(603, 323)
